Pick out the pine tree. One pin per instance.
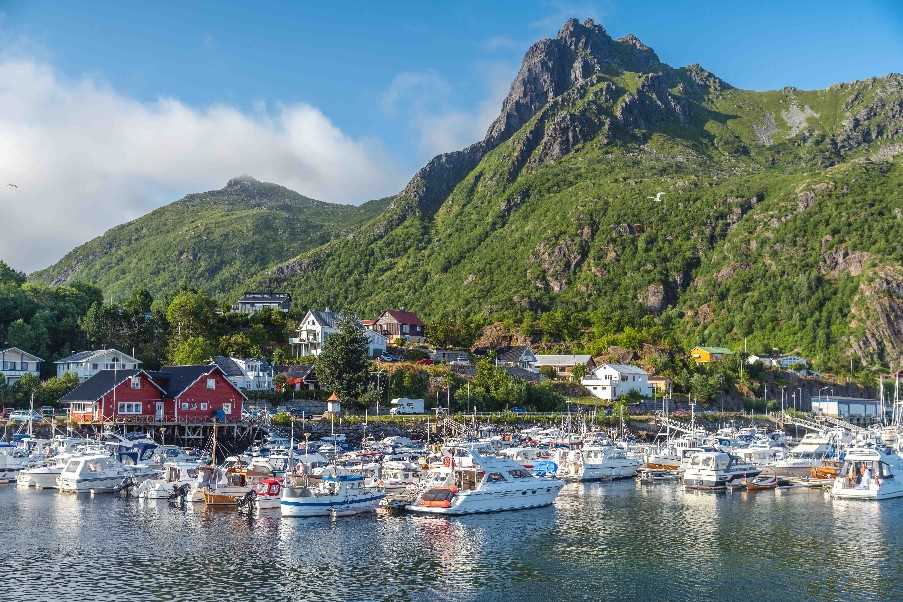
(343, 366)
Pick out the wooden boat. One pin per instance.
(825, 471)
(761, 483)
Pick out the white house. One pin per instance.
(564, 364)
(317, 326)
(251, 374)
(86, 364)
(613, 381)
(16, 363)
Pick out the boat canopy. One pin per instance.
(343, 477)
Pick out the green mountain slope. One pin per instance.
(779, 218)
(214, 241)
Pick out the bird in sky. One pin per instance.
(657, 198)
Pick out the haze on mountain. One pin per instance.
(779, 219)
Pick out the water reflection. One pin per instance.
(601, 541)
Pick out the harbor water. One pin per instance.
(605, 541)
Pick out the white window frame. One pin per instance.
(211, 384)
(136, 382)
(132, 408)
(227, 407)
(204, 405)
(184, 405)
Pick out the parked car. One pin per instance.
(518, 410)
(387, 357)
(460, 362)
(47, 410)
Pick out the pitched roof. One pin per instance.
(23, 352)
(511, 354)
(624, 368)
(717, 350)
(98, 385)
(403, 317)
(228, 365)
(175, 379)
(82, 356)
(562, 360)
(325, 317)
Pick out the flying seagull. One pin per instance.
(657, 198)
(13, 186)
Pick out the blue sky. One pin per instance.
(385, 84)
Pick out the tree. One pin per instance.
(193, 350)
(279, 357)
(8, 274)
(578, 373)
(191, 314)
(26, 385)
(343, 366)
(54, 388)
(235, 345)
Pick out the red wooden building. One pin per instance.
(190, 394)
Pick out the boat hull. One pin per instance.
(590, 473)
(871, 494)
(477, 502)
(44, 479)
(94, 484)
(329, 505)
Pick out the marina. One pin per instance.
(479, 512)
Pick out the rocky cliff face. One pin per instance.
(878, 318)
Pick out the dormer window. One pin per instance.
(136, 382)
(211, 384)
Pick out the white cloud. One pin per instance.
(85, 157)
(560, 11)
(427, 101)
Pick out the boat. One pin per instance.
(328, 495)
(594, 463)
(232, 486)
(268, 493)
(469, 483)
(175, 475)
(44, 476)
(716, 470)
(811, 452)
(869, 473)
(761, 483)
(399, 475)
(12, 460)
(96, 473)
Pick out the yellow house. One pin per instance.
(705, 355)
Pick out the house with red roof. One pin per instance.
(192, 394)
(397, 323)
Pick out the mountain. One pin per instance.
(214, 241)
(614, 190)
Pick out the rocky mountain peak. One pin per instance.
(243, 181)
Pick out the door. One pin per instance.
(159, 413)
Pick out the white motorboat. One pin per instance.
(12, 460)
(44, 476)
(330, 495)
(400, 475)
(811, 452)
(594, 463)
(716, 470)
(673, 453)
(175, 475)
(468, 483)
(92, 473)
(869, 473)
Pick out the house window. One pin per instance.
(404, 328)
(211, 384)
(24, 366)
(136, 382)
(129, 407)
(94, 366)
(203, 405)
(184, 405)
(227, 408)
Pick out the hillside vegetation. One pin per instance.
(213, 241)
